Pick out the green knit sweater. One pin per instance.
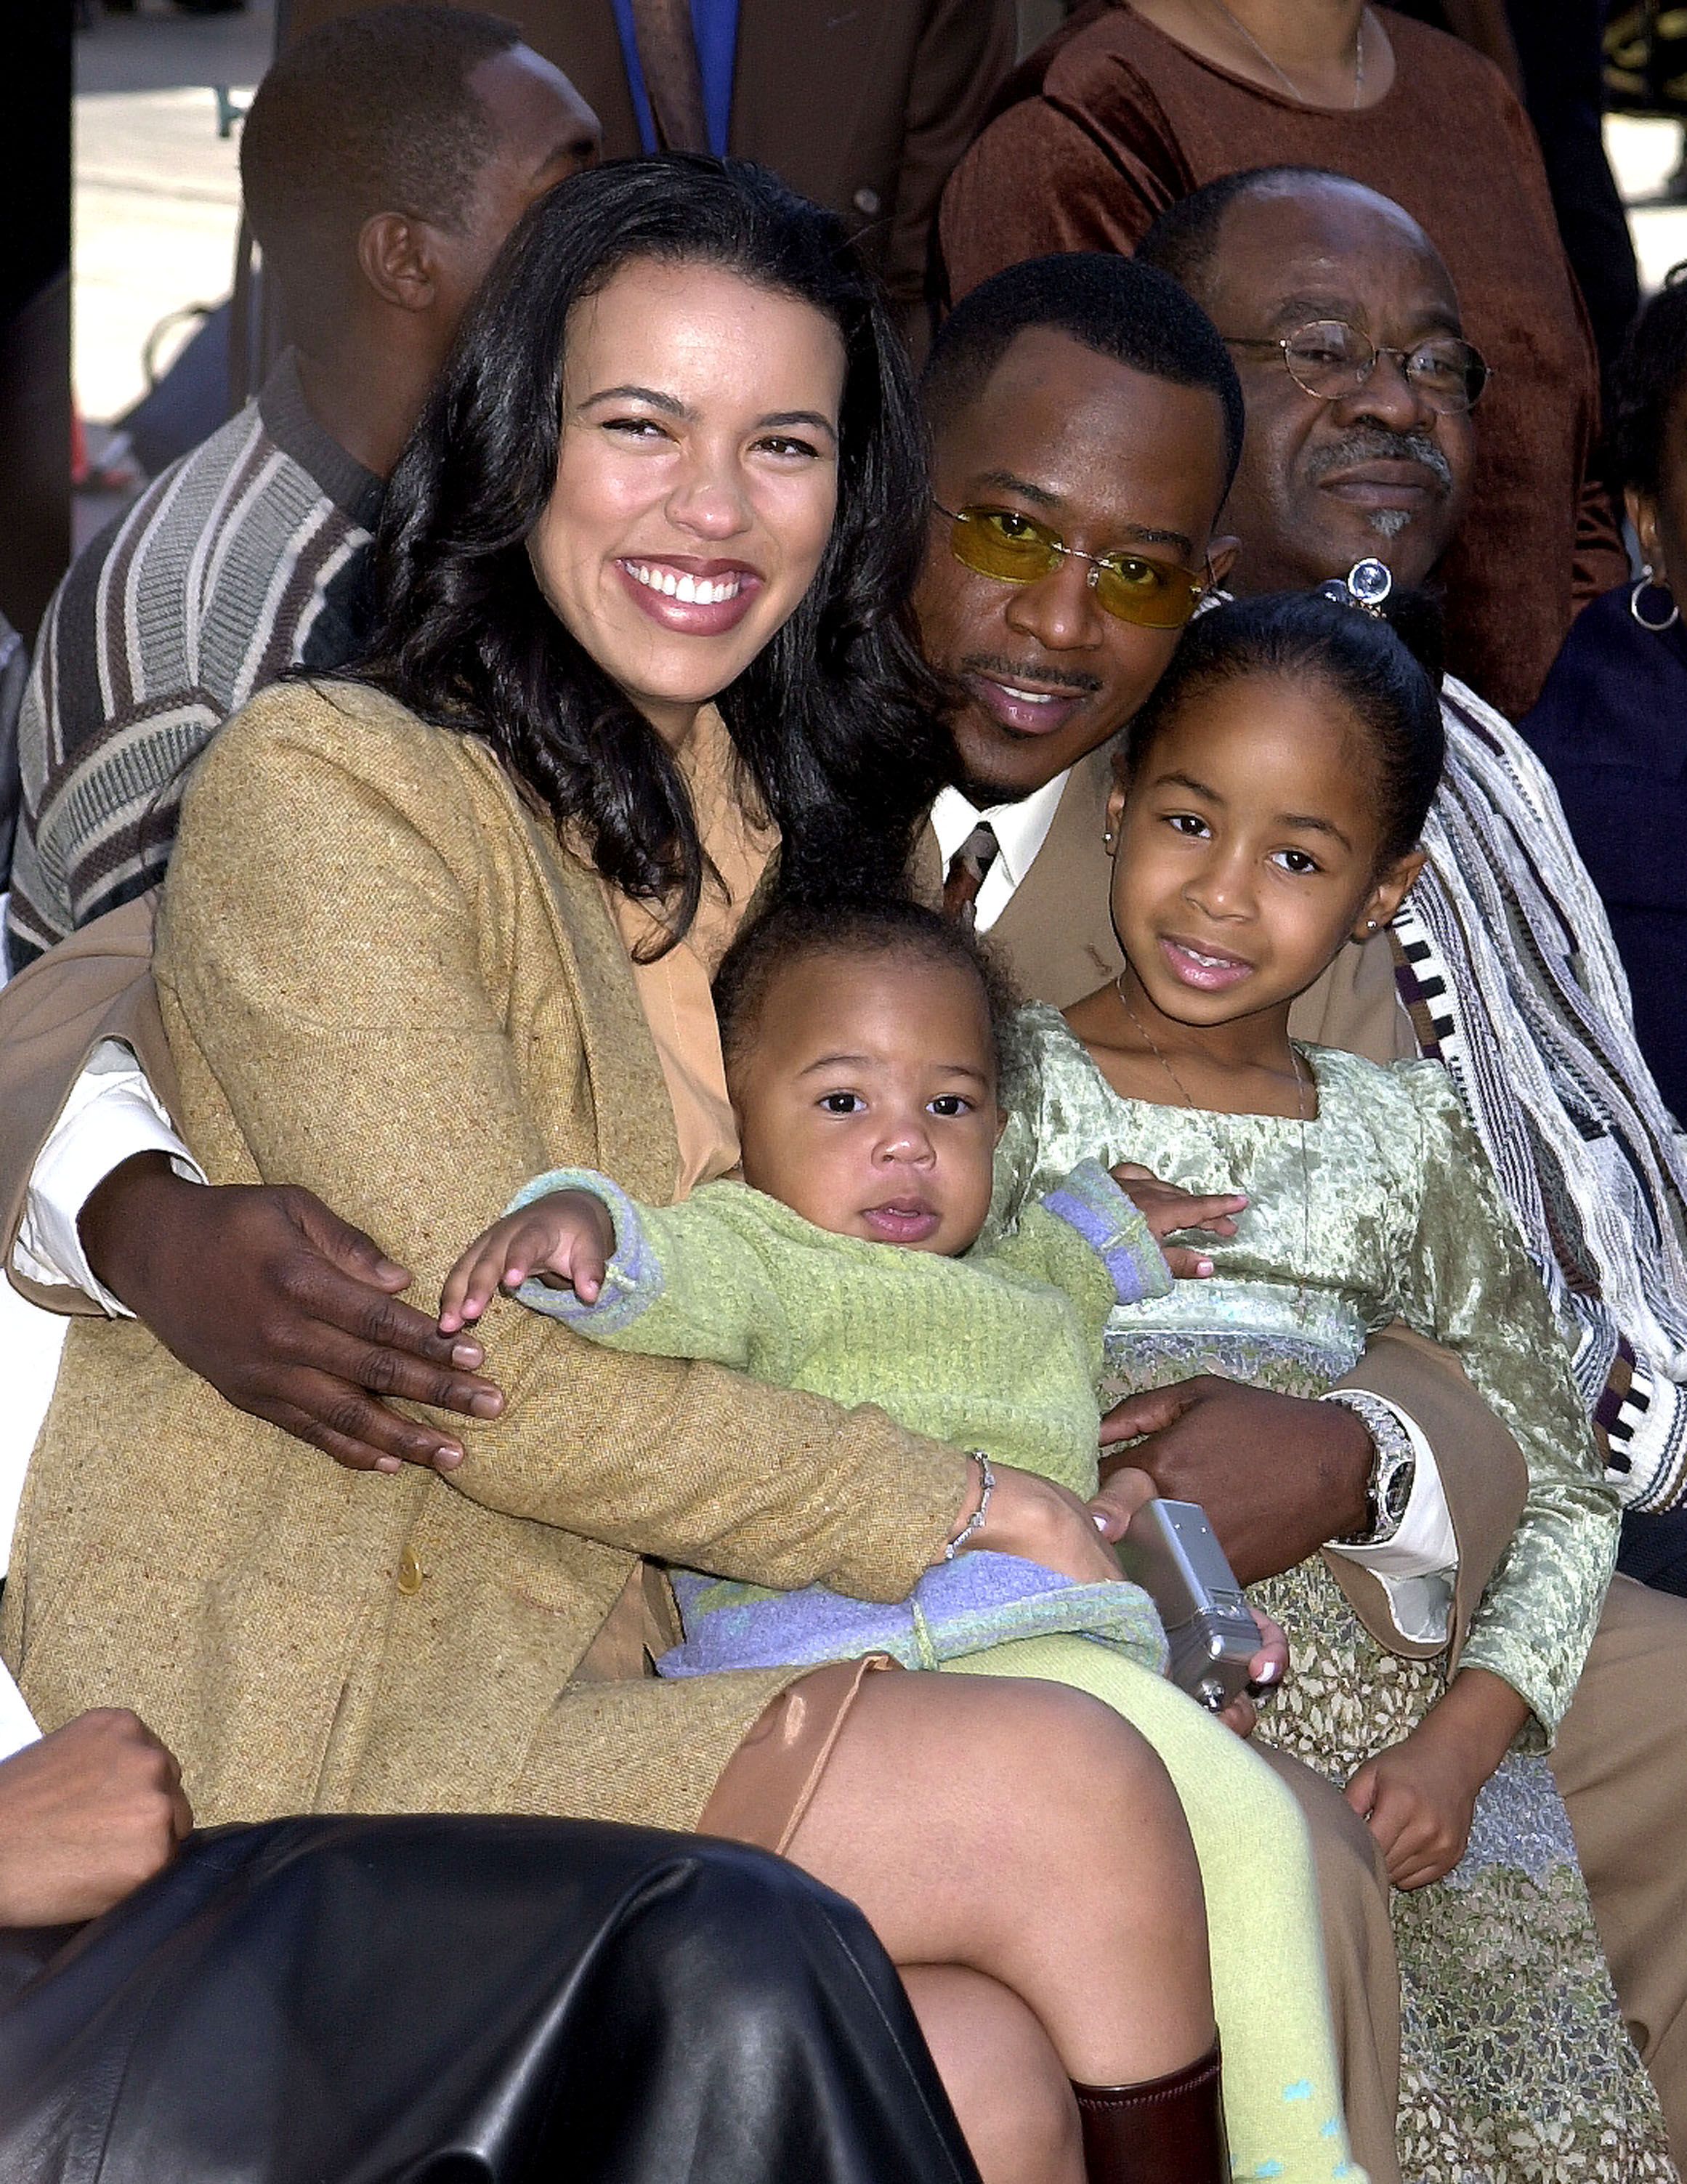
(999, 1349)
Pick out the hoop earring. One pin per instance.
(1657, 628)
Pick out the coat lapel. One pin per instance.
(637, 1144)
(1056, 931)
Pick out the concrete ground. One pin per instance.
(157, 189)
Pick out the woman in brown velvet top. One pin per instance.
(1142, 101)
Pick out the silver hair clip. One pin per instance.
(1366, 586)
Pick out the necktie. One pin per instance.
(667, 53)
(966, 873)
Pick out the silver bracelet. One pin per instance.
(975, 1522)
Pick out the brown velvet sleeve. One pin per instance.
(96, 985)
(1482, 1474)
(1601, 561)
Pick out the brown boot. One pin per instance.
(1164, 2131)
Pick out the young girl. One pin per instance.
(1266, 810)
(860, 1048)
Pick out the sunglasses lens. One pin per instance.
(1149, 593)
(996, 543)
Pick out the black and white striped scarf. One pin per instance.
(1506, 963)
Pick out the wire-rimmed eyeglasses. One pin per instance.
(1330, 359)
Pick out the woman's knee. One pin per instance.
(1014, 1798)
(1066, 1753)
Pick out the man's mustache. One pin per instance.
(1375, 445)
(1017, 672)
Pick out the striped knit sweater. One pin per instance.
(241, 560)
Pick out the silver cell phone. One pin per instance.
(1172, 1552)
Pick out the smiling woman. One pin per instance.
(691, 500)
(628, 417)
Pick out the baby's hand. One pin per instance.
(565, 1238)
(1166, 1210)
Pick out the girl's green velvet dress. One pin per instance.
(1516, 2062)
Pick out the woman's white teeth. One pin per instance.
(690, 591)
(1031, 697)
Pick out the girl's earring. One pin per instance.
(1108, 838)
(1370, 925)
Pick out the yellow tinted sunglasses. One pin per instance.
(1001, 542)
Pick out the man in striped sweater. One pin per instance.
(384, 160)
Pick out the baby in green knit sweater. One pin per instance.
(862, 1055)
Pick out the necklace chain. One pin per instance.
(1224, 1153)
(1282, 75)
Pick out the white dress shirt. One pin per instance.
(1020, 830)
(111, 1114)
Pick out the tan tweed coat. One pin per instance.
(382, 979)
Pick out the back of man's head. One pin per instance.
(1117, 306)
(370, 113)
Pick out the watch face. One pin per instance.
(1397, 1491)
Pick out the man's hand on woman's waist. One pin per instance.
(290, 1312)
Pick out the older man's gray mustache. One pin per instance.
(1375, 445)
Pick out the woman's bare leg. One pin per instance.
(1027, 1832)
(1005, 2081)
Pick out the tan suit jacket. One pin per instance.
(864, 107)
(381, 979)
(1055, 940)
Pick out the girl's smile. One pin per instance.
(1209, 971)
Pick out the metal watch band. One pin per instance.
(1393, 1466)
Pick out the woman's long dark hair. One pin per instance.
(835, 723)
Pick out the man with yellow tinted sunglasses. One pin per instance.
(1086, 423)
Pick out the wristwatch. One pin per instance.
(1394, 1467)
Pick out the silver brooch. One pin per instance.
(1366, 586)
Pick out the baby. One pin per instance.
(862, 1052)
(861, 1044)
